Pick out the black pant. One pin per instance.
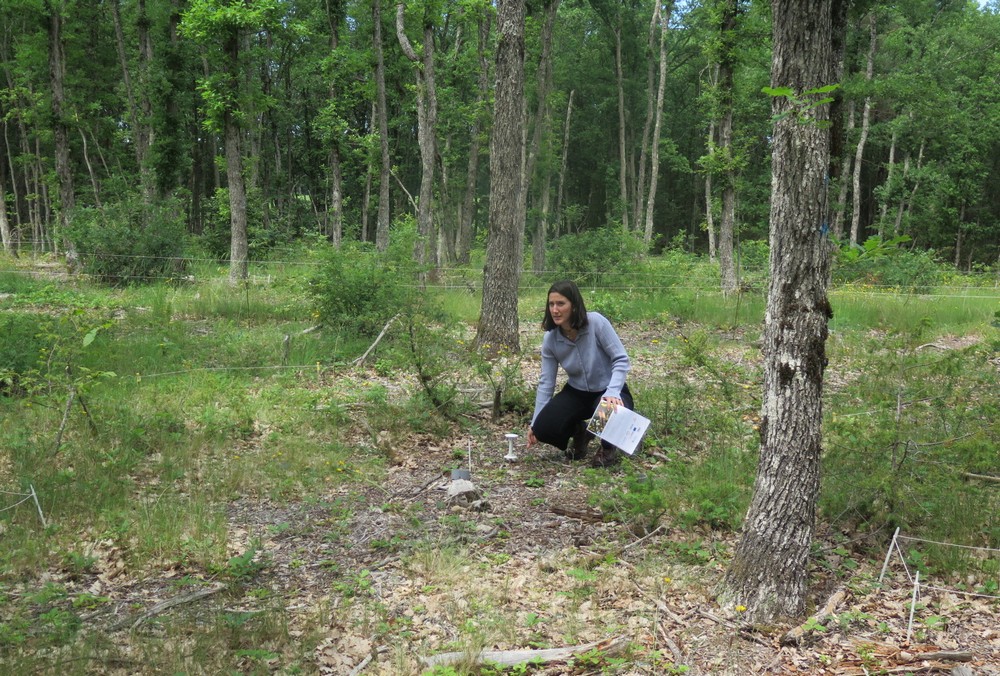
(557, 421)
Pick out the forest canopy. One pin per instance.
(158, 124)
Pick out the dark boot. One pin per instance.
(578, 444)
(606, 456)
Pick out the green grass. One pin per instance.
(220, 394)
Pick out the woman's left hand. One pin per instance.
(613, 400)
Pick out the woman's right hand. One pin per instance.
(531, 438)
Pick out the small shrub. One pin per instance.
(595, 255)
(130, 242)
(361, 289)
(884, 263)
(19, 350)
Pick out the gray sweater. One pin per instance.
(595, 362)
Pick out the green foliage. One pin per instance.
(606, 255)
(129, 242)
(19, 349)
(887, 265)
(361, 289)
(262, 235)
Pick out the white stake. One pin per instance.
(34, 496)
(913, 605)
(511, 456)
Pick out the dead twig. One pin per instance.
(361, 360)
(163, 606)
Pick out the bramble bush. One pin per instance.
(884, 263)
(117, 246)
(360, 289)
(595, 256)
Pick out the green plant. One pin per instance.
(131, 241)
(594, 256)
(361, 289)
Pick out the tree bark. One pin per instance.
(335, 221)
(768, 570)
(498, 323)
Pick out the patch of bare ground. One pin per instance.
(385, 570)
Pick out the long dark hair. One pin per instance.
(578, 316)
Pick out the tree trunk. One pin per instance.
(638, 207)
(888, 185)
(845, 170)
(498, 324)
(6, 235)
(335, 221)
(620, 81)
(238, 245)
(768, 572)
(654, 162)
(865, 121)
(544, 78)
(563, 163)
(385, 165)
(727, 223)
(426, 130)
(60, 129)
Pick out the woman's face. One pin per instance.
(561, 310)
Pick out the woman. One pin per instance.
(594, 359)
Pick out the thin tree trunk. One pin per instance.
(865, 121)
(638, 208)
(239, 247)
(544, 78)
(845, 170)
(90, 171)
(6, 235)
(620, 81)
(498, 322)
(888, 186)
(385, 165)
(563, 163)
(768, 573)
(426, 130)
(335, 221)
(60, 128)
(727, 224)
(654, 163)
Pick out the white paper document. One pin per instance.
(618, 426)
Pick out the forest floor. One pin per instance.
(383, 572)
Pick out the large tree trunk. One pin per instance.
(654, 168)
(768, 572)
(385, 165)
(239, 248)
(498, 325)
(865, 122)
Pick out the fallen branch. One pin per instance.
(794, 636)
(510, 658)
(982, 477)
(361, 360)
(940, 655)
(163, 606)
